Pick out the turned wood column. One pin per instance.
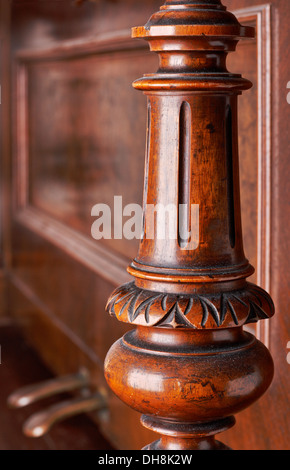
(189, 366)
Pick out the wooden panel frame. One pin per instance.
(260, 16)
(104, 262)
(109, 265)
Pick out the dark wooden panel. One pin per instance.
(40, 24)
(85, 142)
(255, 117)
(89, 136)
(69, 294)
(247, 55)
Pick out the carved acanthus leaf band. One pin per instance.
(137, 306)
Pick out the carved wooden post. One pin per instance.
(189, 366)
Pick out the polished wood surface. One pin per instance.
(189, 367)
(83, 178)
(57, 277)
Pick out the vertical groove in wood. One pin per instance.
(230, 176)
(184, 174)
(146, 168)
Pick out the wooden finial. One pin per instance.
(189, 366)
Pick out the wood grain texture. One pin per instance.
(189, 367)
(255, 138)
(88, 151)
(267, 412)
(45, 26)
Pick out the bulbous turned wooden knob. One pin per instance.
(189, 366)
(187, 384)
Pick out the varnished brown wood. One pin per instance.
(59, 279)
(189, 367)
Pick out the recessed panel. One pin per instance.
(87, 129)
(244, 61)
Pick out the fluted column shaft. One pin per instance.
(189, 366)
